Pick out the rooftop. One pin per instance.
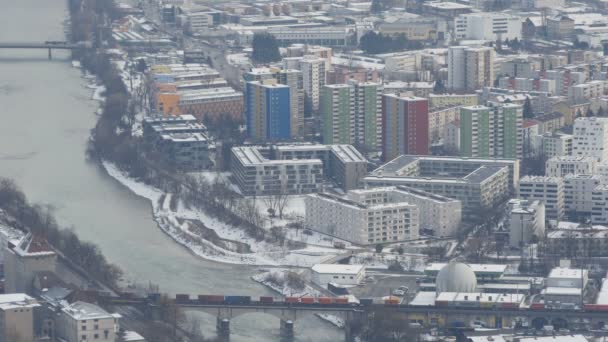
(83, 311)
(563, 272)
(33, 245)
(337, 268)
(17, 300)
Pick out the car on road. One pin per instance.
(398, 293)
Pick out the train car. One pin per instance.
(307, 300)
(292, 300)
(366, 301)
(237, 300)
(211, 299)
(325, 300)
(596, 307)
(509, 305)
(341, 300)
(182, 298)
(266, 300)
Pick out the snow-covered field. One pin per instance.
(175, 224)
(282, 286)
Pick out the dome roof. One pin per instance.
(456, 277)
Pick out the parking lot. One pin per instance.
(383, 285)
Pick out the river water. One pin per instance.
(45, 119)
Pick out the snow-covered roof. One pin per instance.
(33, 245)
(563, 272)
(557, 338)
(424, 298)
(567, 291)
(337, 269)
(83, 311)
(17, 300)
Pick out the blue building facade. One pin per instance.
(267, 109)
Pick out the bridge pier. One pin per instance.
(222, 327)
(286, 330)
(50, 54)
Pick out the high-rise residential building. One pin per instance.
(293, 79)
(470, 68)
(578, 193)
(313, 79)
(337, 109)
(476, 126)
(368, 114)
(352, 114)
(494, 131)
(405, 126)
(268, 111)
(591, 138)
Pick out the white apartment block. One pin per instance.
(578, 192)
(313, 79)
(470, 68)
(83, 321)
(588, 90)
(199, 21)
(549, 190)
(552, 145)
(361, 223)
(526, 219)
(527, 84)
(564, 79)
(591, 138)
(599, 210)
(602, 171)
(487, 26)
(566, 165)
(440, 214)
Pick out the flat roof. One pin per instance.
(556, 338)
(424, 298)
(563, 273)
(568, 291)
(477, 268)
(83, 310)
(337, 269)
(16, 300)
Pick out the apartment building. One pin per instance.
(438, 214)
(551, 145)
(368, 114)
(17, 317)
(211, 103)
(452, 100)
(564, 79)
(548, 190)
(599, 210)
(487, 26)
(477, 183)
(527, 84)
(580, 241)
(578, 192)
(81, 321)
(294, 80)
(181, 140)
(565, 165)
(313, 80)
(337, 109)
(297, 168)
(494, 131)
(591, 138)
(405, 126)
(470, 68)
(359, 222)
(526, 220)
(438, 119)
(588, 90)
(268, 111)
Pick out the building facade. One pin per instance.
(361, 223)
(526, 220)
(591, 138)
(549, 190)
(487, 26)
(337, 109)
(470, 68)
(405, 126)
(566, 165)
(83, 321)
(313, 80)
(268, 111)
(293, 79)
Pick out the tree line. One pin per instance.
(39, 219)
(374, 43)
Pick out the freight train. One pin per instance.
(264, 300)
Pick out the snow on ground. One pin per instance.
(173, 224)
(98, 92)
(409, 261)
(276, 279)
(334, 320)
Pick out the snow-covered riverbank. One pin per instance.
(176, 224)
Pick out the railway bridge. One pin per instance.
(49, 45)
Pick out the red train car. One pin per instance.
(292, 300)
(537, 306)
(307, 300)
(391, 301)
(509, 305)
(266, 300)
(596, 307)
(325, 300)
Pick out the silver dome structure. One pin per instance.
(456, 277)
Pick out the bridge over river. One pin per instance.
(49, 45)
